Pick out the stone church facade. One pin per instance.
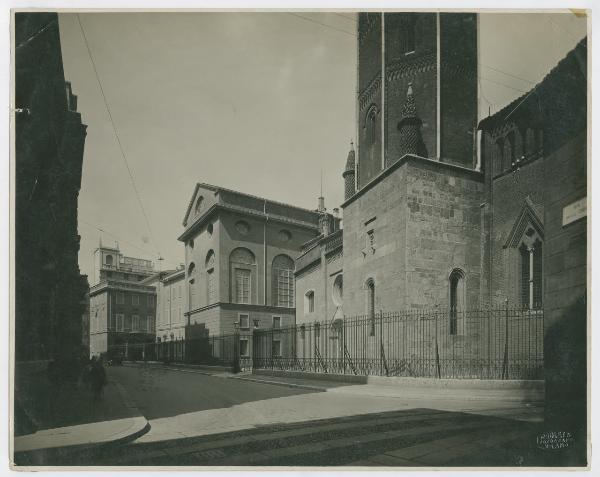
(440, 211)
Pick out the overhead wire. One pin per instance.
(325, 25)
(121, 149)
(321, 23)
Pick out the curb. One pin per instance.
(29, 455)
(281, 383)
(216, 371)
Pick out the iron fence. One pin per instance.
(482, 344)
(215, 350)
(479, 344)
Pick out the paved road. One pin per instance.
(162, 393)
(200, 420)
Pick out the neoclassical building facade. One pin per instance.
(240, 255)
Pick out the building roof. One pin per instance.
(564, 67)
(247, 204)
(218, 189)
(174, 275)
(156, 277)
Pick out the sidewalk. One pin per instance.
(68, 420)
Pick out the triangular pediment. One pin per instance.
(189, 208)
(530, 216)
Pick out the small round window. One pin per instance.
(284, 235)
(242, 227)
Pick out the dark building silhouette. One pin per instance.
(50, 139)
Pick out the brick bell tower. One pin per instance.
(433, 57)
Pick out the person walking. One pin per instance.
(97, 378)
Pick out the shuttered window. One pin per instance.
(242, 285)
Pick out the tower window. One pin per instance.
(371, 125)
(408, 34)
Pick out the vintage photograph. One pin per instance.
(303, 239)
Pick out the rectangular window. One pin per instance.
(242, 285)
(285, 287)
(127, 326)
(120, 298)
(135, 299)
(244, 322)
(277, 322)
(276, 348)
(150, 324)
(256, 323)
(244, 347)
(210, 283)
(135, 323)
(120, 322)
(150, 300)
(112, 324)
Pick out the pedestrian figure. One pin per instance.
(97, 378)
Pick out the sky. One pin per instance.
(259, 102)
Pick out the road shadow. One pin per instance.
(160, 392)
(407, 438)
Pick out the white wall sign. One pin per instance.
(574, 211)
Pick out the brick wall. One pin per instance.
(458, 83)
(565, 294)
(508, 198)
(418, 68)
(369, 161)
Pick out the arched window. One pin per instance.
(192, 295)
(209, 265)
(457, 301)
(531, 274)
(508, 153)
(371, 125)
(370, 303)
(337, 292)
(497, 156)
(309, 302)
(282, 273)
(242, 269)
(530, 148)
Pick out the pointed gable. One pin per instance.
(530, 216)
(202, 199)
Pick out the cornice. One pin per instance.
(243, 211)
